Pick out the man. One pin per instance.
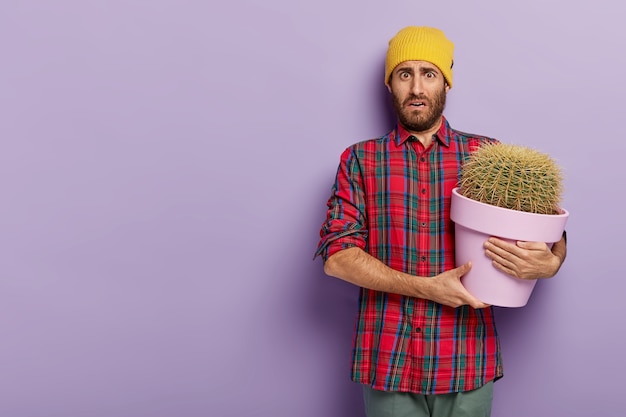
(423, 345)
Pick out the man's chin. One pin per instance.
(418, 125)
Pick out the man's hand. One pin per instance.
(360, 268)
(525, 260)
(448, 290)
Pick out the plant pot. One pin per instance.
(475, 222)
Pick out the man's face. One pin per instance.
(419, 91)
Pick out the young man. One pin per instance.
(423, 345)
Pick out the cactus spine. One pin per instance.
(513, 177)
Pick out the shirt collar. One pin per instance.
(443, 134)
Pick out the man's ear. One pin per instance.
(447, 88)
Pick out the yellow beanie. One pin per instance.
(420, 43)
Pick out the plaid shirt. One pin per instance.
(391, 198)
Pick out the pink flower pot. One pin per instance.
(476, 222)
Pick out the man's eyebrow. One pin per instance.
(425, 70)
(421, 70)
(404, 69)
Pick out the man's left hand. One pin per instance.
(525, 260)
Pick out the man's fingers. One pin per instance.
(471, 300)
(463, 269)
(493, 247)
(509, 270)
(533, 245)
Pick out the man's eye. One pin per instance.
(404, 75)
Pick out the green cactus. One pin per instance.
(514, 177)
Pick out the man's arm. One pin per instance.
(527, 260)
(360, 268)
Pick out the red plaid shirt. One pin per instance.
(391, 198)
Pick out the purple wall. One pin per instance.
(164, 167)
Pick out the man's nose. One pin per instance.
(417, 86)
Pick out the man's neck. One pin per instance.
(426, 136)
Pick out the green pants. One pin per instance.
(476, 403)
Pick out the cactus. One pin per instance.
(513, 177)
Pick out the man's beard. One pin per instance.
(416, 121)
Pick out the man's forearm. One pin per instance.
(360, 268)
(559, 249)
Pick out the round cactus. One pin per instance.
(513, 177)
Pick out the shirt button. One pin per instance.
(423, 224)
(423, 190)
(423, 258)
(418, 330)
(422, 159)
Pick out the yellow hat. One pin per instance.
(420, 43)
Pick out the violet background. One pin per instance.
(164, 168)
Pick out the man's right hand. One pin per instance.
(448, 290)
(357, 267)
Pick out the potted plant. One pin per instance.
(511, 192)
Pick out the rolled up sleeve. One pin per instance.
(346, 223)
